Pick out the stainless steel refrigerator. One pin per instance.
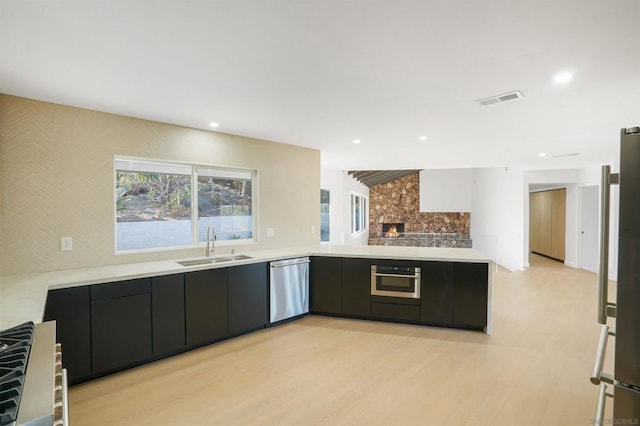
(626, 309)
(626, 401)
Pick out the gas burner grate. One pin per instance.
(15, 344)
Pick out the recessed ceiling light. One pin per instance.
(422, 138)
(325, 162)
(563, 78)
(213, 124)
(356, 141)
(542, 154)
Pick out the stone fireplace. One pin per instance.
(395, 218)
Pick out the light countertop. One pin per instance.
(22, 297)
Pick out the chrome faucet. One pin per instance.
(211, 238)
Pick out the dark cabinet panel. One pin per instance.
(118, 289)
(168, 316)
(326, 285)
(436, 292)
(247, 292)
(206, 306)
(120, 326)
(70, 308)
(470, 294)
(395, 312)
(356, 287)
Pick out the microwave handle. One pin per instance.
(377, 274)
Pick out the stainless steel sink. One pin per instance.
(208, 260)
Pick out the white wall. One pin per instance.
(57, 180)
(446, 190)
(497, 215)
(340, 185)
(592, 176)
(572, 226)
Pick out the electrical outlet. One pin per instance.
(66, 244)
(313, 229)
(270, 232)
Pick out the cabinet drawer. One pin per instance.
(120, 289)
(395, 312)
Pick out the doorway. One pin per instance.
(589, 232)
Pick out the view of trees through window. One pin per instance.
(226, 203)
(155, 206)
(152, 196)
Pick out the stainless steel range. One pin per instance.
(33, 385)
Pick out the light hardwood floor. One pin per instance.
(533, 370)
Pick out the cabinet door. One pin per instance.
(168, 320)
(120, 324)
(70, 308)
(470, 294)
(436, 292)
(206, 306)
(356, 287)
(248, 301)
(326, 285)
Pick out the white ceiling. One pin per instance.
(322, 73)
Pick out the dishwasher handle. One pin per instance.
(284, 264)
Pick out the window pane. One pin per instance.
(152, 209)
(356, 213)
(225, 202)
(325, 224)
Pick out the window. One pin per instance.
(225, 202)
(160, 205)
(359, 216)
(325, 224)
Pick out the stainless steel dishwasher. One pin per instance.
(289, 288)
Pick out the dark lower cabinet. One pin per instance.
(206, 306)
(436, 293)
(326, 285)
(120, 325)
(356, 287)
(108, 327)
(168, 316)
(70, 308)
(247, 297)
(397, 312)
(470, 294)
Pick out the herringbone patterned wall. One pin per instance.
(57, 179)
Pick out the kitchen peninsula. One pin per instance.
(455, 289)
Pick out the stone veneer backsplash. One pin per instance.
(399, 202)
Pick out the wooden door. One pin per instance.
(558, 223)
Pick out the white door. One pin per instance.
(590, 232)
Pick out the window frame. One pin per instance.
(148, 166)
(363, 214)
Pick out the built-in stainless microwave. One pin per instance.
(395, 281)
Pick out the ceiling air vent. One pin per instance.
(573, 154)
(505, 97)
